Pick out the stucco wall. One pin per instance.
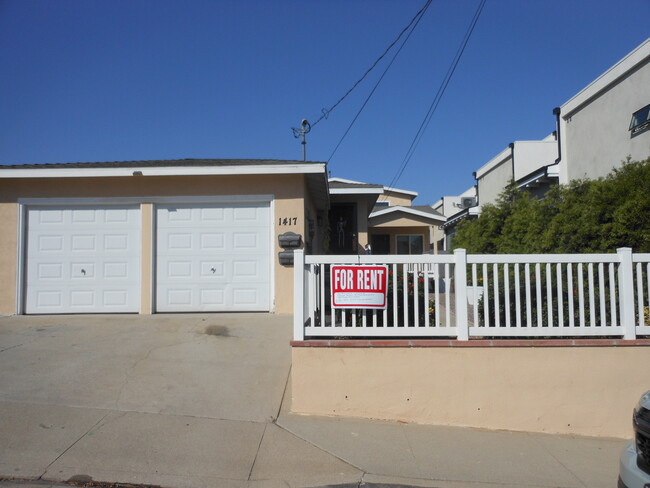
(493, 182)
(288, 192)
(405, 220)
(8, 247)
(569, 390)
(397, 199)
(533, 155)
(596, 135)
(362, 224)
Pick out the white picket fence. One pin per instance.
(463, 296)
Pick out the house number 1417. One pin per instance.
(288, 221)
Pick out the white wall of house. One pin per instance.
(594, 124)
(531, 156)
(493, 177)
(451, 204)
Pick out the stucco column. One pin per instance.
(146, 255)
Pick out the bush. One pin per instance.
(585, 216)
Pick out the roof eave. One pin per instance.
(79, 172)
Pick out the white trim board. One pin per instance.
(600, 84)
(147, 199)
(60, 172)
(386, 188)
(406, 210)
(356, 191)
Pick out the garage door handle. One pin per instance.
(213, 270)
(83, 272)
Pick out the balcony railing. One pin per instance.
(463, 296)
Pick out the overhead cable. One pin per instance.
(327, 111)
(437, 98)
(423, 10)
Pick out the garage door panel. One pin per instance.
(213, 257)
(83, 260)
(213, 297)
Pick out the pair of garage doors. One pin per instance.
(87, 259)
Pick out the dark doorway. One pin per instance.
(380, 243)
(343, 228)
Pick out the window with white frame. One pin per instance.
(410, 244)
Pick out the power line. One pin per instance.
(421, 13)
(327, 111)
(438, 97)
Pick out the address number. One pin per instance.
(288, 221)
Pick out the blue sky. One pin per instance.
(114, 80)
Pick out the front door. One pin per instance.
(343, 228)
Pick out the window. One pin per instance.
(640, 119)
(410, 244)
(382, 204)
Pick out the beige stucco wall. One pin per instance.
(569, 390)
(288, 192)
(405, 220)
(397, 199)
(146, 256)
(8, 247)
(362, 224)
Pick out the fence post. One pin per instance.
(298, 295)
(460, 287)
(626, 292)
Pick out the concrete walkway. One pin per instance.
(203, 401)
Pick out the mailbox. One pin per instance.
(286, 257)
(289, 240)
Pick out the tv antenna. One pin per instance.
(305, 127)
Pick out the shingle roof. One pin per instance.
(160, 163)
(427, 209)
(339, 184)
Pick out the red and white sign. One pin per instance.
(359, 286)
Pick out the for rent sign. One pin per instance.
(359, 286)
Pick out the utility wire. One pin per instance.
(327, 111)
(421, 14)
(437, 98)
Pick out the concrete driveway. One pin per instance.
(175, 400)
(212, 366)
(193, 401)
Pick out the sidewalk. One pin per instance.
(176, 409)
(301, 451)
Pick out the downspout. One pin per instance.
(556, 112)
(478, 199)
(512, 158)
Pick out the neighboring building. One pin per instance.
(597, 129)
(155, 236)
(608, 120)
(455, 209)
(383, 217)
(531, 164)
(450, 205)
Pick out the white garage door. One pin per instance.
(213, 257)
(83, 259)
